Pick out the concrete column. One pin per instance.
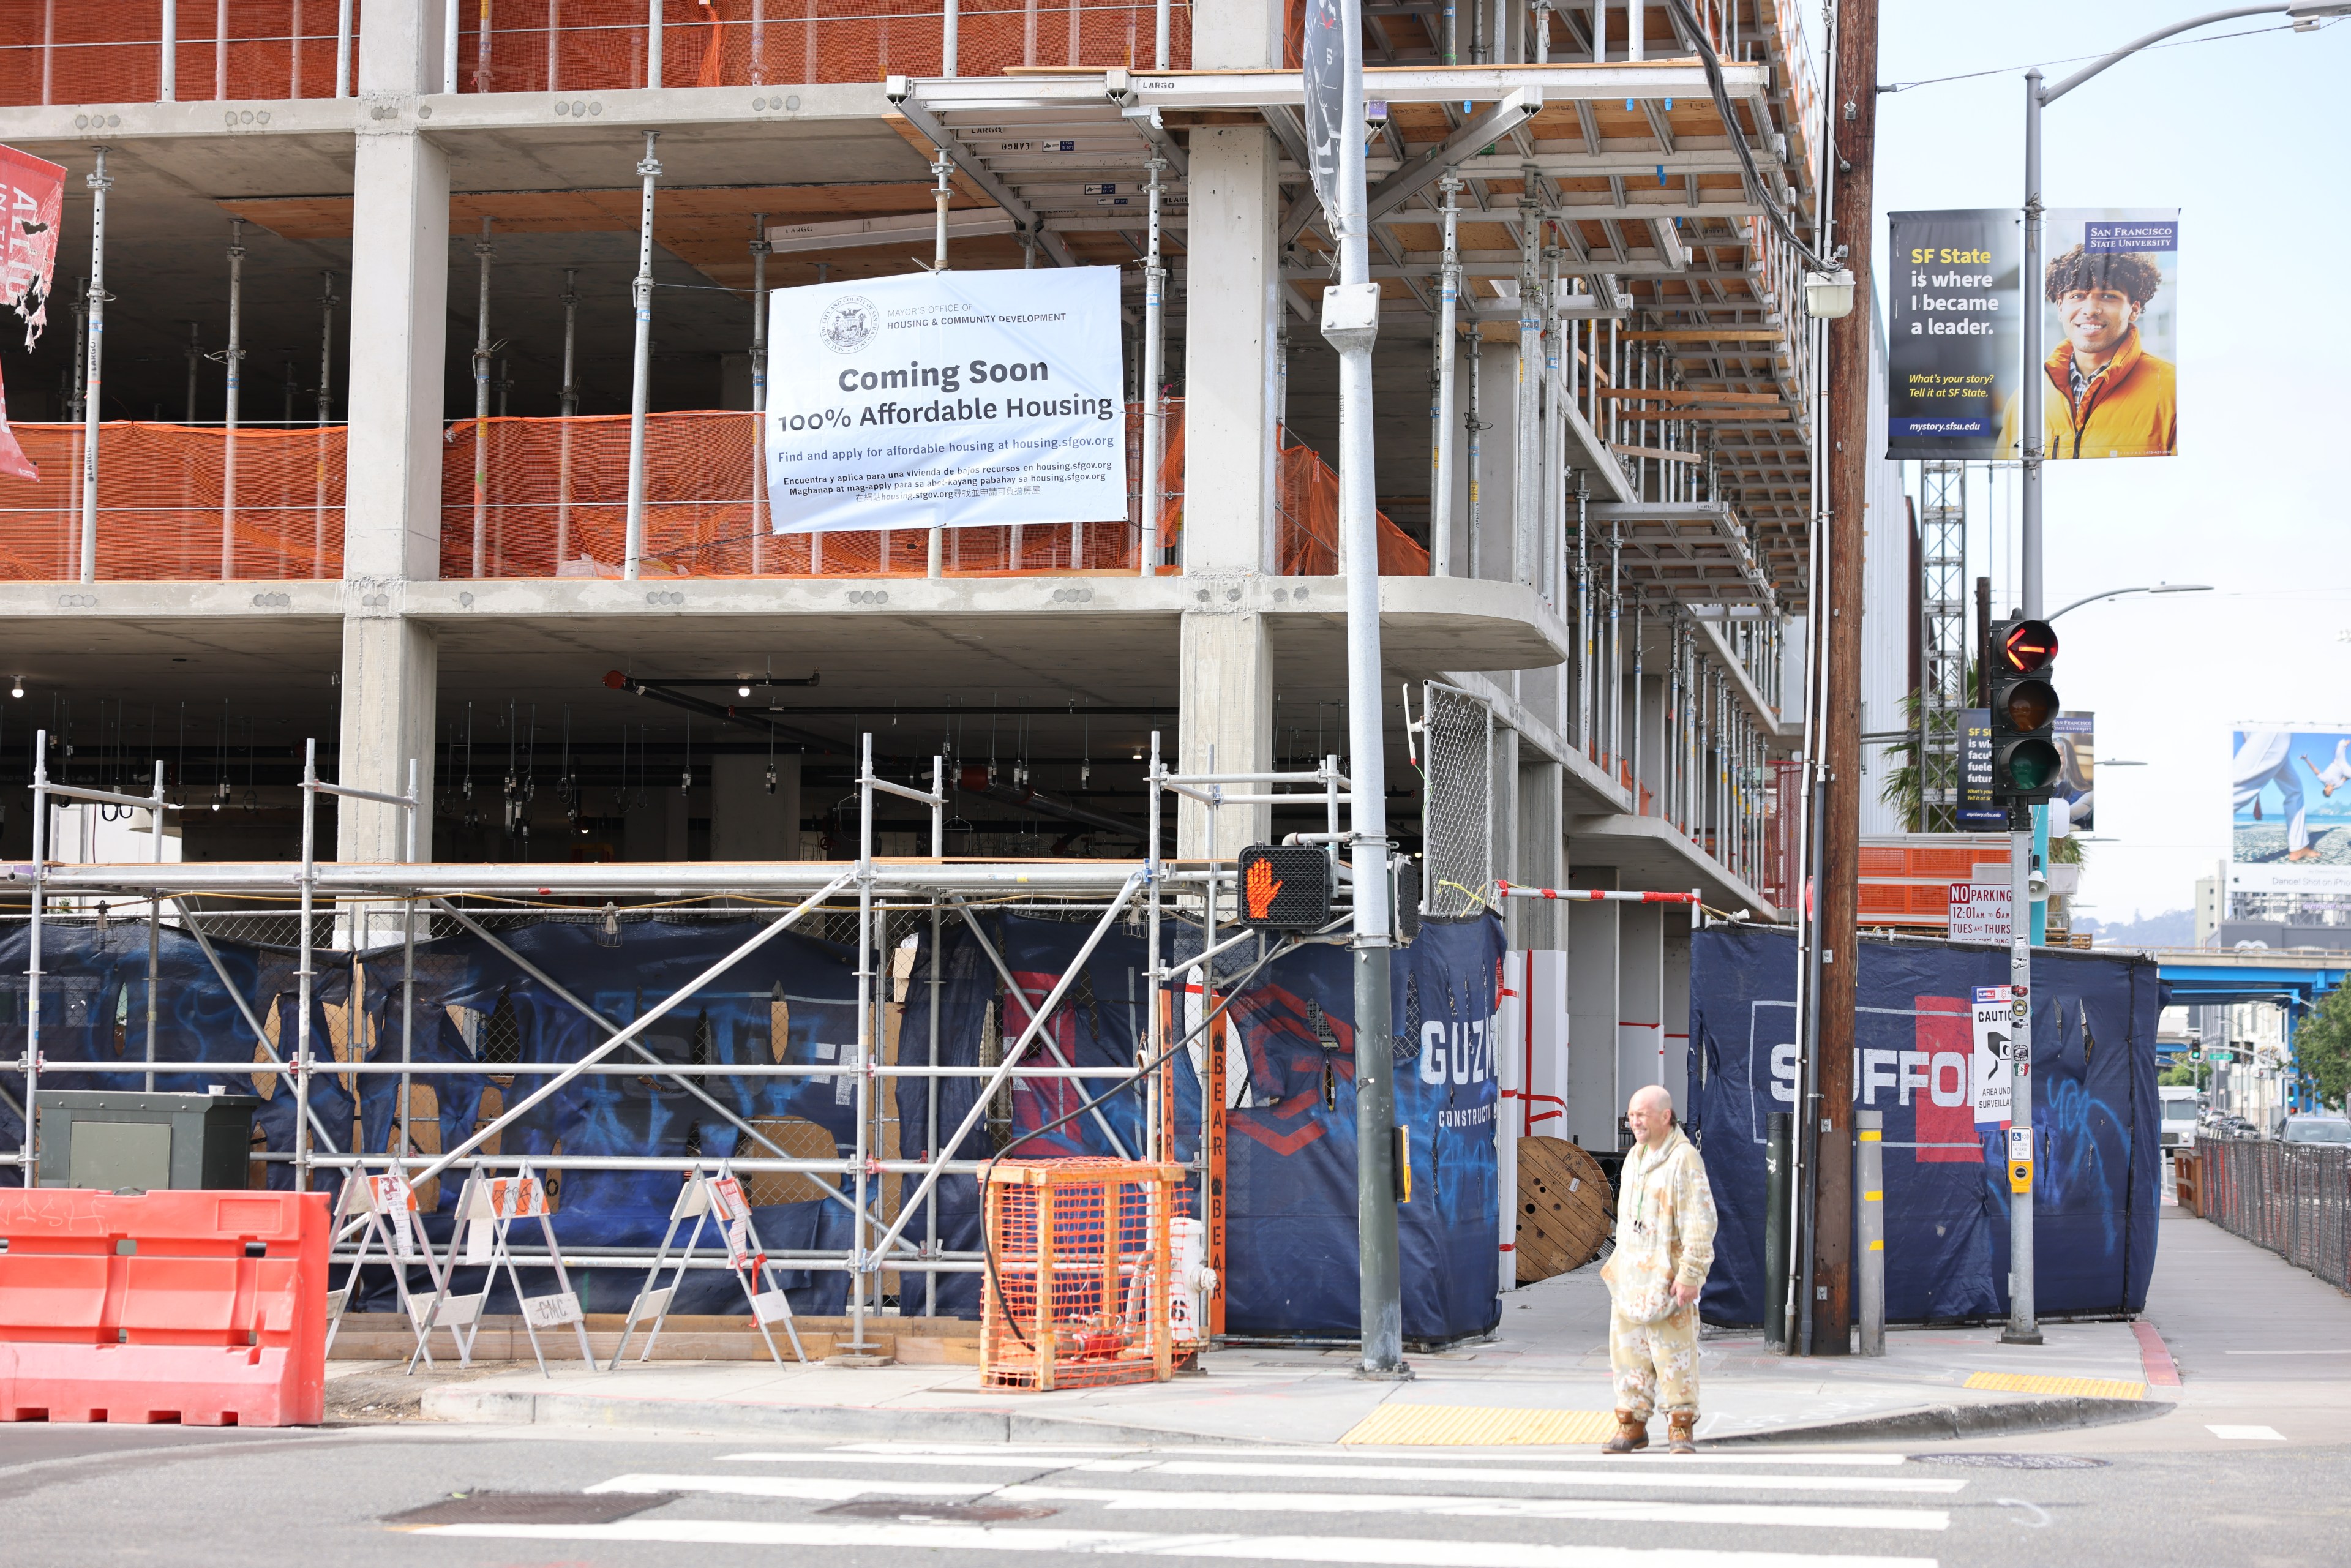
(1235, 35)
(1542, 857)
(747, 823)
(392, 521)
(1229, 416)
(1593, 1102)
(1676, 1078)
(1226, 665)
(1229, 392)
(1641, 995)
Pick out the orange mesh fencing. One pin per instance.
(159, 516)
(553, 502)
(1077, 1290)
(111, 51)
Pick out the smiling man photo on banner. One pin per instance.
(2113, 390)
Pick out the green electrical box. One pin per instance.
(110, 1139)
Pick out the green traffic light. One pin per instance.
(2031, 764)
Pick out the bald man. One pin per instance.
(1665, 1245)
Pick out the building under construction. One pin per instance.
(347, 434)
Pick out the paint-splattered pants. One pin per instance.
(1655, 1365)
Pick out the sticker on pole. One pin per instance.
(2020, 1159)
(1992, 1084)
(946, 400)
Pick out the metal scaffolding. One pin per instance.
(379, 913)
(1942, 640)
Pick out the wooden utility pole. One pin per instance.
(1853, 136)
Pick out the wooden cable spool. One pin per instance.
(1566, 1209)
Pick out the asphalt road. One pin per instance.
(558, 1498)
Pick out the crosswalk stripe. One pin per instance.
(1010, 1453)
(1804, 1515)
(1605, 1472)
(809, 1488)
(1344, 1550)
(1605, 1510)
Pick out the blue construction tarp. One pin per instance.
(2094, 1117)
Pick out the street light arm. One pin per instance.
(2119, 592)
(2051, 94)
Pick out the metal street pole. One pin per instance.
(1350, 322)
(2022, 1329)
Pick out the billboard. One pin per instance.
(2077, 759)
(2290, 818)
(1977, 814)
(1954, 336)
(2110, 334)
(946, 400)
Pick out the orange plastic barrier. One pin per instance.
(1077, 1282)
(205, 1308)
(110, 51)
(159, 505)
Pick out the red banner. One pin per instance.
(35, 195)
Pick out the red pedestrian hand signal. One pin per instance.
(1259, 888)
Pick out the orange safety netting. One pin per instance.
(110, 51)
(554, 502)
(159, 516)
(554, 493)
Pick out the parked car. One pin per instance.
(2179, 1112)
(2317, 1130)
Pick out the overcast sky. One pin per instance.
(2248, 136)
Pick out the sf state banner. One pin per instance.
(946, 400)
(1953, 334)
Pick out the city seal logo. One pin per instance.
(849, 323)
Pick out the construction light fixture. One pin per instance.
(17, 690)
(1828, 296)
(744, 690)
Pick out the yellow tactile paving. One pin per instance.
(2087, 1388)
(1431, 1426)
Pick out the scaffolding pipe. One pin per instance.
(483, 251)
(343, 51)
(1154, 348)
(482, 51)
(570, 404)
(193, 352)
(1554, 431)
(326, 303)
(1526, 459)
(641, 294)
(232, 359)
(1162, 35)
(935, 537)
(449, 47)
(169, 66)
(951, 28)
(39, 875)
(1475, 427)
(761, 250)
(220, 49)
(100, 183)
(652, 44)
(1444, 466)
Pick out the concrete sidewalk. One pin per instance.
(1543, 1379)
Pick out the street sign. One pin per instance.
(1992, 1081)
(1980, 912)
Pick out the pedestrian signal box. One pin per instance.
(2025, 760)
(1285, 887)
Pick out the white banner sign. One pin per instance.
(1979, 912)
(948, 400)
(1994, 1093)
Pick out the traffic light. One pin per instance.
(2024, 760)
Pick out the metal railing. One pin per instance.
(2292, 1199)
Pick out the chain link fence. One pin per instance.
(2292, 1199)
(1458, 824)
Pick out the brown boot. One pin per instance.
(1632, 1435)
(1681, 1428)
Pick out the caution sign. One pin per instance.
(1994, 1081)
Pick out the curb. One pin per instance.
(1990, 1418)
(503, 1407)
